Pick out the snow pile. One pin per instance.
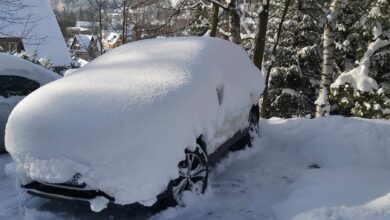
(69, 72)
(275, 181)
(354, 158)
(334, 141)
(359, 77)
(82, 62)
(377, 209)
(322, 98)
(79, 63)
(125, 119)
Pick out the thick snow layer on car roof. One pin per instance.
(124, 120)
(15, 66)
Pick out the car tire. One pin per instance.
(253, 130)
(193, 175)
(190, 180)
(254, 117)
(173, 197)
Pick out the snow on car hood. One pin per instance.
(124, 120)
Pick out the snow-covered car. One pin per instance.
(18, 78)
(140, 124)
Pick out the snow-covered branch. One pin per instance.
(359, 77)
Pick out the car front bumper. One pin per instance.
(64, 191)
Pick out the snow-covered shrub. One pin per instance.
(44, 61)
(287, 103)
(309, 59)
(297, 65)
(348, 102)
(363, 55)
(288, 93)
(364, 91)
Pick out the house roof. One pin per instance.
(83, 26)
(78, 29)
(112, 38)
(84, 40)
(39, 29)
(86, 24)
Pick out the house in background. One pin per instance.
(11, 44)
(112, 40)
(86, 47)
(83, 27)
(37, 32)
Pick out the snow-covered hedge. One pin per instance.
(348, 102)
(289, 93)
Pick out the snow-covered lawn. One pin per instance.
(272, 180)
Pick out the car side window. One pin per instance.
(16, 86)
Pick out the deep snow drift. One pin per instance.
(272, 181)
(124, 120)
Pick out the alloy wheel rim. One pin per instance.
(192, 176)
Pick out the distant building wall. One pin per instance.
(11, 44)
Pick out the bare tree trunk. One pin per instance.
(98, 5)
(214, 20)
(100, 27)
(258, 53)
(264, 110)
(328, 58)
(124, 25)
(125, 6)
(234, 22)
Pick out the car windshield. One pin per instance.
(16, 86)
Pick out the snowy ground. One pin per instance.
(271, 181)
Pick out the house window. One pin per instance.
(12, 46)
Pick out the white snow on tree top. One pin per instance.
(358, 78)
(37, 26)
